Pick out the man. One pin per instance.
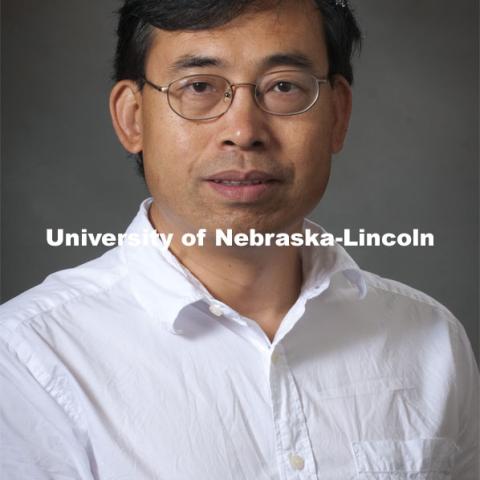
(225, 362)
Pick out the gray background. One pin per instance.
(411, 160)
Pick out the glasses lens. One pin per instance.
(286, 93)
(199, 97)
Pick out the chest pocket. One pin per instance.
(415, 459)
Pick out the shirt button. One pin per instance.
(296, 461)
(274, 358)
(216, 310)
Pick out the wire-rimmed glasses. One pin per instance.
(205, 97)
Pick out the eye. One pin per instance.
(284, 87)
(200, 87)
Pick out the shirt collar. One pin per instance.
(320, 264)
(163, 286)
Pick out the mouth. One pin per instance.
(239, 183)
(241, 186)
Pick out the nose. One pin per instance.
(246, 125)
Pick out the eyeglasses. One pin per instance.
(204, 97)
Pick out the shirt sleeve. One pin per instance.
(39, 436)
(467, 390)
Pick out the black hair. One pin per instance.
(137, 17)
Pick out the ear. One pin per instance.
(342, 104)
(125, 110)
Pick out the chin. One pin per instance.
(259, 223)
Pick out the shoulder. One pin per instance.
(407, 304)
(31, 327)
(61, 288)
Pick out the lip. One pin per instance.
(237, 175)
(264, 182)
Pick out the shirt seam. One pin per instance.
(52, 385)
(421, 298)
(58, 387)
(78, 295)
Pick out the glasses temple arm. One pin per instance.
(160, 88)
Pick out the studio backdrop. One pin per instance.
(410, 161)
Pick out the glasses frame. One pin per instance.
(231, 92)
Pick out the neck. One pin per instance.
(260, 283)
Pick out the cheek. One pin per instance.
(160, 129)
(312, 174)
(170, 143)
(310, 149)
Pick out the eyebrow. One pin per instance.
(291, 59)
(195, 61)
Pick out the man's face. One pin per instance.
(185, 160)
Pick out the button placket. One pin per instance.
(274, 358)
(293, 445)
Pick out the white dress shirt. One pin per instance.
(126, 368)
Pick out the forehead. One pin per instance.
(292, 28)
